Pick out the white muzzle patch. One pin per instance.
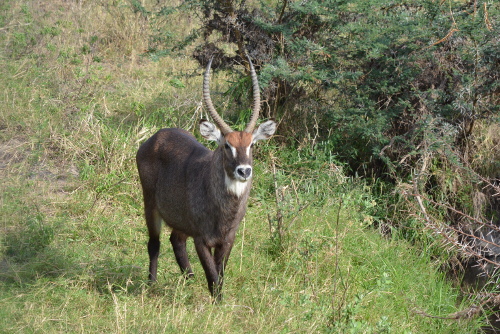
(236, 186)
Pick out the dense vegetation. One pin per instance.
(382, 180)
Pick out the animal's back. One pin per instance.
(165, 149)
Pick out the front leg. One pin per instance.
(209, 266)
(221, 255)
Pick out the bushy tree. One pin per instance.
(371, 71)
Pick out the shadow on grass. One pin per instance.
(27, 253)
(22, 267)
(28, 239)
(47, 263)
(31, 255)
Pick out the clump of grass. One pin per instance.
(31, 238)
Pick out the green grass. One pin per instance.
(72, 236)
(328, 277)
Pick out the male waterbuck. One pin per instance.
(197, 192)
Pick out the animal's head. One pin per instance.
(236, 145)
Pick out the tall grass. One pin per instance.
(78, 97)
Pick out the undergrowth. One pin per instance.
(79, 95)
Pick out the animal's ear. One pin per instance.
(264, 131)
(209, 131)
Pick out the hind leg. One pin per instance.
(178, 241)
(153, 221)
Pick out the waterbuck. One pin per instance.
(197, 192)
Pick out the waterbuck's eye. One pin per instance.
(226, 146)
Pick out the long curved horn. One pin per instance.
(256, 99)
(225, 129)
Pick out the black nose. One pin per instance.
(244, 172)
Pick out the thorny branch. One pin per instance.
(470, 239)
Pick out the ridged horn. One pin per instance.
(225, 129)
(256, 99)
